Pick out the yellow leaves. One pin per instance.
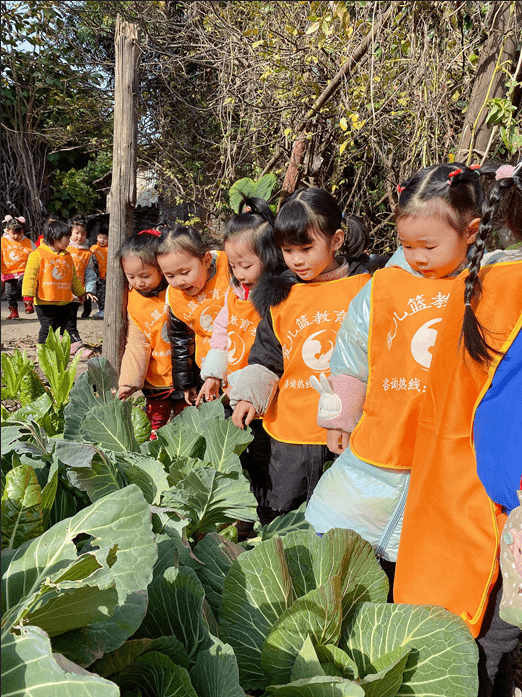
(258, 43)
(343, 124)
(343, 146)
(287, 132)
(313, 28)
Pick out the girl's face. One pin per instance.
(102, 240)
(61, 244)
(184, 271)
(141, 276)
(14, 234)
(78, 235)
(432, 246)
(318, 256)
(245, 264)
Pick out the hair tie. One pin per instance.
(453, 174)
(400, 188)
(156, 233)
(7, 218)
(475, 167)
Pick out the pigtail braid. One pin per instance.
(473, 334)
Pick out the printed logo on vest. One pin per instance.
(316, 353)
(422, 343)
(58, 272)
(15, 255)
(164, 333)
(236, 348)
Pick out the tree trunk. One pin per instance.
(123, 191)
(500, 48)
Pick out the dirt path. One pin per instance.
(22, 334)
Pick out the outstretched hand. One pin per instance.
(243, 414)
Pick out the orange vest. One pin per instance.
(243, 319)
(200, 311)
(449, 548)
(56, 275)
(150, 316)
(15, 254)
(101, 257)
(81, 259)
(306, 325)
(404, 317)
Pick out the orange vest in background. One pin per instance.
(101, 257)
(449, 547)
(306, 325)
(81, 260)
(243, 319)
(405, 315)
(15, 254)
(56, 275)
(150, 316)
(200, 311)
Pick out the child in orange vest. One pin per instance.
(16, 248)
(382, 357)
(100, 251)
(468, 457)
(198, 280)
(51, 282)
(83, 263)
(301, 312)
(146, 363)
(249, 246)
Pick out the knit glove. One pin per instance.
(341, 400)
(255, 384)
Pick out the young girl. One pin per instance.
(470, 425)
(146, 363)
(100, 251)
(50, 281)
(302, 313)
(198, 280)
(249, 246)
(382, 357)
(83, 263)
(16, 248)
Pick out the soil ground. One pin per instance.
(22, 334)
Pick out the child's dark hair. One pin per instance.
(503, 204)
(315, 210)
(451, 192)
(143, 245)
(15, 226)
(54, 230)
(256, 229)
(78, 223)
(183, 239)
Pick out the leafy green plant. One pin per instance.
(262, 188)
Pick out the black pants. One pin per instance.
(87, 307)
(294, 471)
(13, 291)
(56, 317)
(100, 294)
(495, 645)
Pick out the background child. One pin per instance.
(83, 263)
(16, 248)
(146, 363)
(50, 281)
(100, 251)
(198, 280)
(382, 356)
(249, 246)
(469, 425)
(302, 313)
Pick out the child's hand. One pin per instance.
(92, 297)
(243, 414)
(190, 395)
(81, 299)
(209, 391)
(126, 391)
(336, 440)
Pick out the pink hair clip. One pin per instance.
(156, 233)
(504, 172)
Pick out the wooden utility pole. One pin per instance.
(123, 190)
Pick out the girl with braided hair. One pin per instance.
(382, 356)
(467, 462)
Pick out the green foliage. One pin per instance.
(262, 188)
(74, 190)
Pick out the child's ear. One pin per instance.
(207, 259)
(472, 230)
(337, 240)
